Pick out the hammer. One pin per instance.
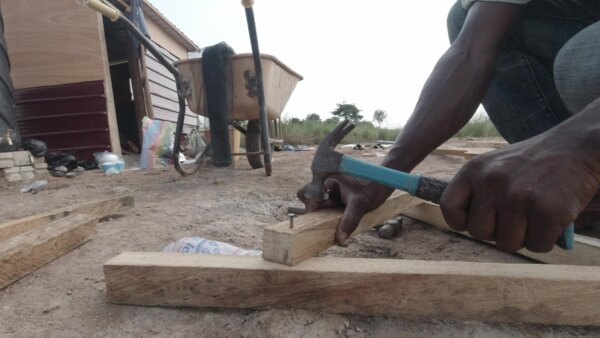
(329, 162)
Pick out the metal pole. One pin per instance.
(264, 122)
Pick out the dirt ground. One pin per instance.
(66, 298)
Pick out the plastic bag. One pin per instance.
(56, 159)
(36, 147)
(157, 147)
(208, 247)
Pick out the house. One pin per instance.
(79, 85)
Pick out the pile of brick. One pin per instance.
(21, 166)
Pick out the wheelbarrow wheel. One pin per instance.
(253, 144)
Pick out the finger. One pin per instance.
(511, 229)
(542, 232)
(481, 219)
(455, 201)
(355, 209)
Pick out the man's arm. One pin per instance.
(457, 84)
(449, 99)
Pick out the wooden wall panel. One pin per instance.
(52, 42)
(159, 36)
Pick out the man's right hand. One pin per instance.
(357, 196)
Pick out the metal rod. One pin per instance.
(250, 153)
(264, 122)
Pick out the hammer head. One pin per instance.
(327, 161)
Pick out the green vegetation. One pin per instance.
(312, 131)
(347, 111)
(479, 126)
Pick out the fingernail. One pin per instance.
(342, 238)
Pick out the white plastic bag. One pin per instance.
(208, 247)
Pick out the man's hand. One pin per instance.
(358, 197)
(525, 194)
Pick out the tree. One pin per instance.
(295, 120)
(379, 116)
(313, 117)
(347, 111)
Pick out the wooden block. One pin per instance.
(23, 254)
(6, 164)
(97, 209)
(487, 144)
(465, 152)
(315, 232)
(585, 252)
(22, 158)
(529, 293)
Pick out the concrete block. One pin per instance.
(39, 160)
(41, 172)
(26, 168)
(6, 156)
(22, 158)
(6, 164)
(12, 170)
(40, 166)
(13, 178)
(27, 176)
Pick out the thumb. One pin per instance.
(354, 211)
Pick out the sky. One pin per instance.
(376, 54)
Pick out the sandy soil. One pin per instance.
(66, 298)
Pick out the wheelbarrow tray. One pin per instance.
(279, 82)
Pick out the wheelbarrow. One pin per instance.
(248, 90)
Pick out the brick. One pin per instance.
(22, 158)
(6, 164)
(40, 166)
(12, 170)
(13, 178)
(39, 160)
(26, 168)
(27, 176)
(6, 156)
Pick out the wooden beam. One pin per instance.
(25, 253)
(98, 209)
(529, 293)
(585, 252)
(467, 153)
(315, 232)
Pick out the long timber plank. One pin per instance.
(315, 232)
(27, 252)
(99, 208)
(529, 293)
(585, 252)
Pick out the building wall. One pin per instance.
(159, 36)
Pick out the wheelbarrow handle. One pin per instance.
(247, 3)
(101, 7)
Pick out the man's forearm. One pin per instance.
(448, 100)
(457, 84)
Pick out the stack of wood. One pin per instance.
(20, 166)
(29, 243)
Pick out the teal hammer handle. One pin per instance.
(427, 188)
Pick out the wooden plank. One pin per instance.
(467, 153)
(487, 144)
(98, 209)
(585, 252)
(529, 293)
(52, 42)
(23, 254)
(315, 232)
